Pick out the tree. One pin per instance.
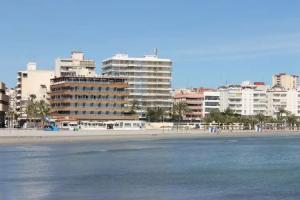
(42, 110)
(155, 114)
(179, 110)
(134, 106)
(291, 120)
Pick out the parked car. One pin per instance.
(50, 128)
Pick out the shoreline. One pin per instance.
(33, 137)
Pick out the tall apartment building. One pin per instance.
(211, 102)
(76, 65)
(244, 99)
(32, 82)
(149, 79)
(89, 98)
(3, 104)
(286, 81)
(193, 98)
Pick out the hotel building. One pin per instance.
(32, 82)
(89, 98)
(149, 79)
(286, 81)
(4, 101)
(76, 65)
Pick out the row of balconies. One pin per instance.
(97, 117)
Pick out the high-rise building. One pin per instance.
(89, 98)
(76, 65)
(149, 79)
(32, 82)
(286, 81)
(3, 104)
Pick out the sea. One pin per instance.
(220, 168)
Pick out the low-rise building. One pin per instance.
(4, 101)
(211, 102)
(90, 98)
(193, 98)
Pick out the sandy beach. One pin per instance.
(17, 136)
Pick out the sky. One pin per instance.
(211, 42)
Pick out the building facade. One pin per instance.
(244, 99)
(211, 102)
(32, 82)
(76, 65)
(4, 102)
(149, 79)
(193, 98)
(280, 98)
(286, 81)
(89, 98)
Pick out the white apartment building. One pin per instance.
(32, 82)
(76, 65)
(149, 79)
(244, 99)
(286, 81)
(211, 102)
(281, 98)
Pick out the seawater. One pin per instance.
(207, 168)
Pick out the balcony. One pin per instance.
(4, 98)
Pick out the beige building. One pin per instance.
(3, 104)
(76, 65)
(32, 82)
(286, 81)
(149, 79)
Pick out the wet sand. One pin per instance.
(21, 136)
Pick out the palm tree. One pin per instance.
(43, 110)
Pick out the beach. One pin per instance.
(25, 136)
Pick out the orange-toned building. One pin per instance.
(89, 98)
(194, 100)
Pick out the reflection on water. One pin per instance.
(211, 168)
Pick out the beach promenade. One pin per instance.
(23, 136)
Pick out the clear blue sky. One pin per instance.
(210, 41)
